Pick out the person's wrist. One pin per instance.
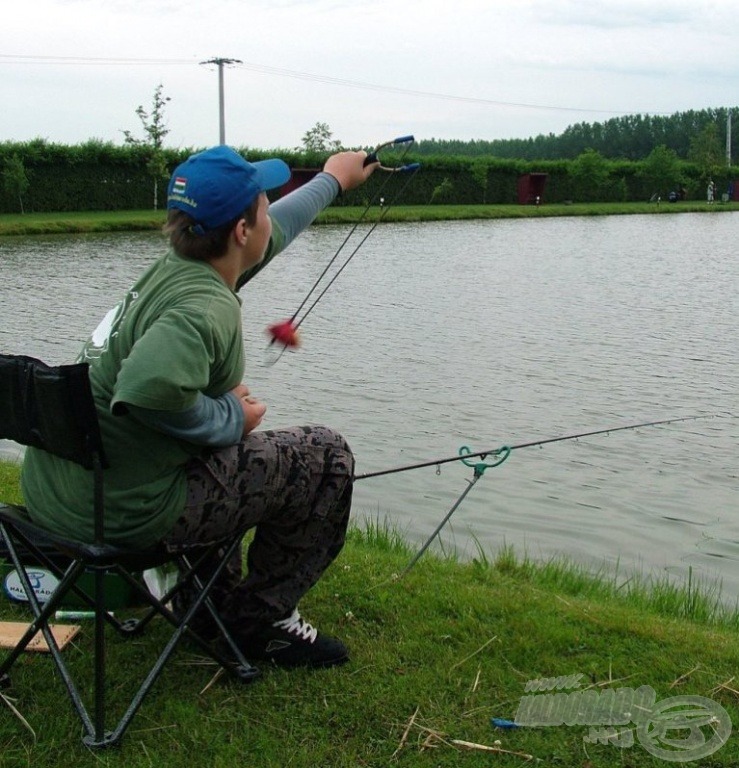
(340, 188)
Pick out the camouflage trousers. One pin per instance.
(294, 487)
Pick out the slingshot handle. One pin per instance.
(372, 157)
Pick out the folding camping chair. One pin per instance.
(52, 408)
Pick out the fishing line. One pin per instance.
(285, 331)
(382, 215)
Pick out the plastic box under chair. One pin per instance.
(118, 592)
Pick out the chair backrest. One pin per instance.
(50, 408)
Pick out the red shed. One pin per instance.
(531, 188)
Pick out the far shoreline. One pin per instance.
(12, 225)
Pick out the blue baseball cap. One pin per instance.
(217, 185)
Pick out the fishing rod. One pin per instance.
(499, 455)
(286, 331)
(531, 444)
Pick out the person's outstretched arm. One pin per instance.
(296, 211)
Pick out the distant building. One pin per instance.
(531, 188)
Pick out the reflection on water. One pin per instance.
(480, 334)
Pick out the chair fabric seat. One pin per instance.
(95, 555)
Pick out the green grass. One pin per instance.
(84, 222)
(113, 221)
(435, 654)
(464, 212)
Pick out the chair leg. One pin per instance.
(95, 735)
(41, 624)
(241, 669)
(100, 614)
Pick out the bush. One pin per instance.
(101, 176)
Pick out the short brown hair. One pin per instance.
(211, 244)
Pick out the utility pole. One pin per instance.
(221, 108)
(728, 138)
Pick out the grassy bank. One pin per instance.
(435, 655)
(114, 221)
(70, 223)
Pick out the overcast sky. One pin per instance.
(72, 70)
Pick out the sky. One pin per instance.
(74, 70)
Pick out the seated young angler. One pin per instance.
(167, 366)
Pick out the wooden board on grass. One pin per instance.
(12, 631)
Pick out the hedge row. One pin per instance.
(102, 176)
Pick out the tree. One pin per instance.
(661, 170)
(15, 179)
(480, 174)
(706, 152)
(155, 129)
(590, 171)
(318, 139)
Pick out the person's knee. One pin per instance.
(342, 448)
(340, 453)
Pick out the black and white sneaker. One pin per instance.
(293, 642)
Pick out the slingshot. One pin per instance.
(373, 156)
(286, 331)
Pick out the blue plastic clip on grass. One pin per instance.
(500, 722)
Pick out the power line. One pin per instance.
(295, 74)
(411, 92)
(88, 61)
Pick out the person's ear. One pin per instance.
(241, 231)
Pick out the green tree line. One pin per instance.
(631, 137)
(39, 176)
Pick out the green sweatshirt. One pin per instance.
(177, 332)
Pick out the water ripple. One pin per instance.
(483, 334)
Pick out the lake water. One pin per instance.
(483, 334)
